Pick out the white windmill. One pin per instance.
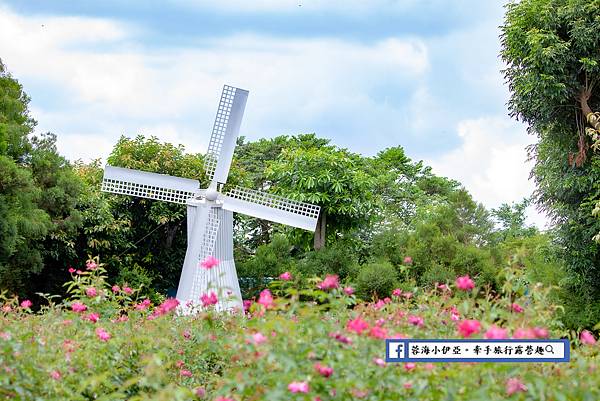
(209, 211)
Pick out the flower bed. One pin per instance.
(315, 342)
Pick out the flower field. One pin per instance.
(298, 340)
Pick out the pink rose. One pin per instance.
(298, 387)
(330, 282)
(285, 276)
(587, 338)
(468, 327)
(78, 307)
(91, 292)
(209, 262)
(265, 298)
(26, 304)
(465, 283)
(357, 325)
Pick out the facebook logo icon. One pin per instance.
(395, 349)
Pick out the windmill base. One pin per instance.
(222, 279)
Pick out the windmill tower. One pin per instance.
(209, 210)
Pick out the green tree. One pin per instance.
(333, 178)
(511, 219)
(552, 56)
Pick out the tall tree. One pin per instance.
(552, 52)
(333, 178)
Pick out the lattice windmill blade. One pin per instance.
(225, 133)
(271, 207)
(143, 184)
(201, 243)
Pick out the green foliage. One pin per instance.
(376, 280)
(335, 259)
(447, 239)
(270, 260)
(146, 354)
(551, 51)
(511, 219)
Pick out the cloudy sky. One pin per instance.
(423, 74)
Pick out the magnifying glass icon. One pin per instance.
(549, 349)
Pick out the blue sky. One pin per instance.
(368, 75)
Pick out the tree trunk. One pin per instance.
(589, 115)
(320, 231)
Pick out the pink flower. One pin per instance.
(540, 332)
(186, 334)
(357, 325)
(443, 287)
(516, 307)
(91, 292)
(200, 392)
(465, 283)
(247, 304)
(6, 308)
(265, 298)
(285, 276)
(397, 292)
(468, 327)
(323, 370)
(408, 260)
(378, 361)
(524, 333)
(93, 317)
(416, 320)
(185, 373)
(167, 306)
(115, 289)
(143, 305)
(495, 332)
(408, 366)
(331, 281)
(78, 307)
(78, 272)
(514, 385)
(341, 338)
(378, 332)
(91, 265)
(102, 334)
(209, 262)
(258, 338)
(210, 299)
(587, 338)
(123, 318)
(26, 304)
(407, 385)
(55, 374)
(298, 387)
(380, 304)
(349, 290)
(71, 270)
(5, 335)
(407, 295)
(224, 399)
(429, 366)
(455, 317)
(127, 290)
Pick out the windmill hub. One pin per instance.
(211, 194)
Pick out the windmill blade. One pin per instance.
(143, 184)
(271, 207)
(201, 243)
(225, 133)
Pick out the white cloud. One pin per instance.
(491, 163)
(103, 91)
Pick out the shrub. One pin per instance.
(335, 259)
(376, 280)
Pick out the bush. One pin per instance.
(59, 354)
(376, 280)
(269, 262)
(335, 259)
